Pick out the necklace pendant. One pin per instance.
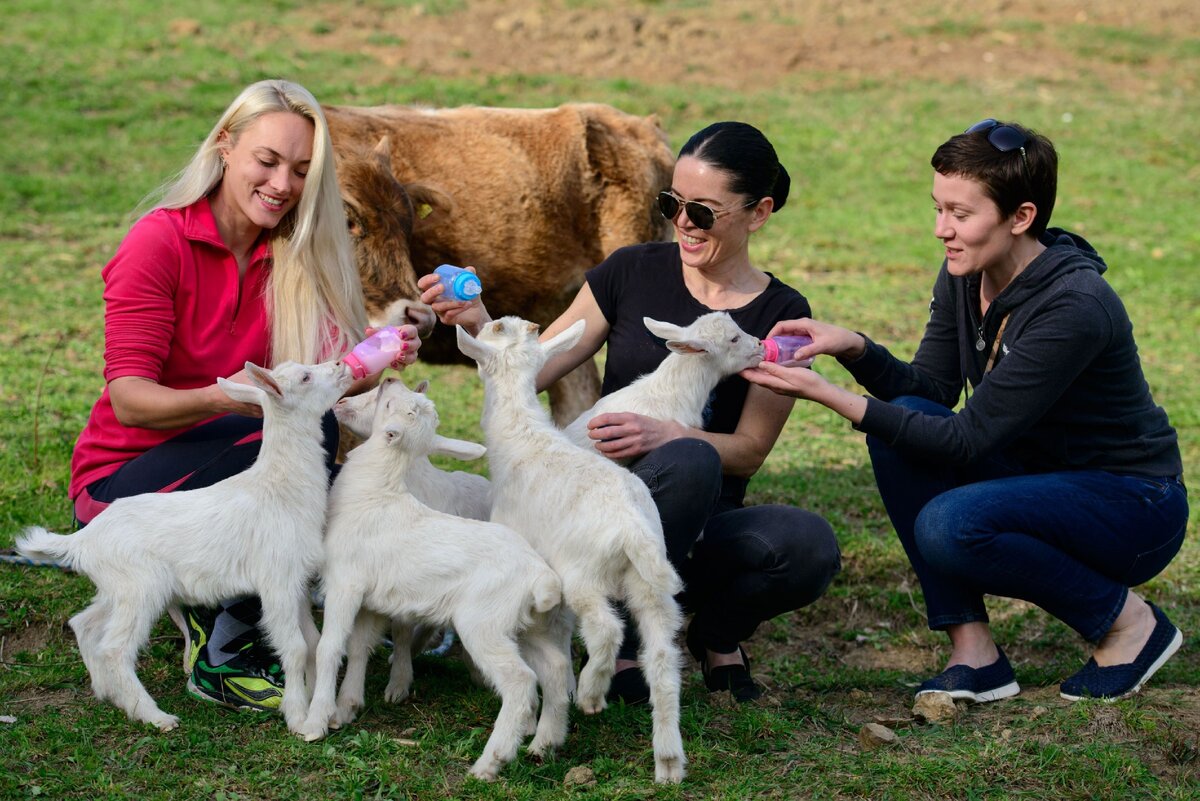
(980, 344)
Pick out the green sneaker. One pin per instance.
(251, 679)
(197, 622)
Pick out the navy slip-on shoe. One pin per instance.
(977, 685)
(1118, 681)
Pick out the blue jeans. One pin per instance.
(1071, 542)
(753, 562)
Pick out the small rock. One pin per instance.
(579, 776)
(1037, 712)
(7, 719)
(935, 708)
(873, 736)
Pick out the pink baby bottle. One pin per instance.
(375, 352)
(782, 348)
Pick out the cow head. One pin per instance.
(382, 215)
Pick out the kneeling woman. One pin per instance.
(1059, 481)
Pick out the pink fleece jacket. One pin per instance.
(176, 312)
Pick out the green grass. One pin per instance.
(103, 101)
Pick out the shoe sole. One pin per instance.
(1167, 653)
(200, 695)
(1004, 691)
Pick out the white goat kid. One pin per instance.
(149, 551)
(387, 555)
(710, 349)
(593, 521)
(454, 492)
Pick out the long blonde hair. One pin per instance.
(314, 296)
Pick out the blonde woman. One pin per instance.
(244, 258)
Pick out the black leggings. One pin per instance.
(741, 565)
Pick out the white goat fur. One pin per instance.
(258, 532)
(454, 492)
(387, 555)
(710, 349)
(593, 521)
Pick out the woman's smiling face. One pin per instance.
(700, 181)
(975, 235)
(266, 167)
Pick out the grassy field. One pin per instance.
(102, 101)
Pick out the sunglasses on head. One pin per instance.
(702, 216)
(1004, 138)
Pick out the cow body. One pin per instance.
(531, 198)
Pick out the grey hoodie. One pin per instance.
(1066, 391)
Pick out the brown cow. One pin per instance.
(530, 197)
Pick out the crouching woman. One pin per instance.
(1059, 481)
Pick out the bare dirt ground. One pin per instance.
(754, 44)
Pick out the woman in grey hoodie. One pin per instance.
(1059, 480)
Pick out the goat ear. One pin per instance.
(242, 393)
(263, 380)
(667, 331)
(391, 433)
(686, 346)
(565, 340)
(472, 347)
(456, 448)
(422, 387)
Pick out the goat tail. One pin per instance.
(42, 545)
(546, 592)
(649, 559)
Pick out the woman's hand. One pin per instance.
(625, 435)
(807, 384)
(224, 404)
(827, 339)
(798, 382)
(470, 314)
(408, 351)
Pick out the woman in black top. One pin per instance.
(752, 563)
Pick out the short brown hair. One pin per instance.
(1009, 179)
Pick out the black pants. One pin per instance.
(741, 564)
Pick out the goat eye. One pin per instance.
(735, 339)
(307, 378)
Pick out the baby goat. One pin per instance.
(148, 551)
(710, 349)
(387, 555)
(453, 492)
(593, 521)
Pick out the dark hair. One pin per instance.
(742, 151)
(1008, 179)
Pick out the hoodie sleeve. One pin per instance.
(935, 372)
(1044, 359)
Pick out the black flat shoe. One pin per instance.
(734, 678)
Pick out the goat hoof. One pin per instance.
(668, 771)
(166, 723)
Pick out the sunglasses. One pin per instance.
(1004, 138)
(704, 217)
